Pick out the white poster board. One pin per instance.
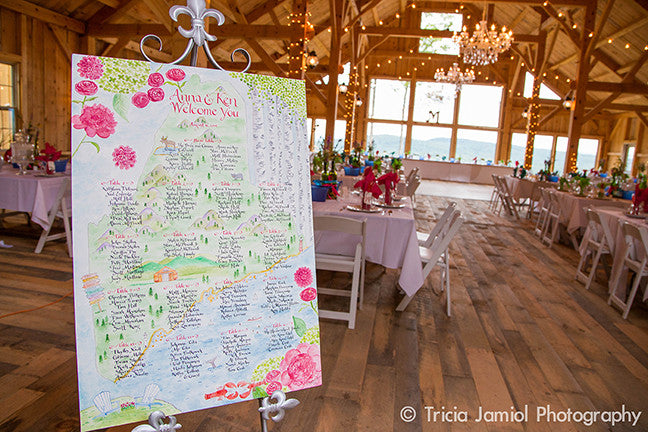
(194, 268)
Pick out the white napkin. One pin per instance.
(4, 245)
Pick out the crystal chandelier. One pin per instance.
(455, 76)
(484, 45)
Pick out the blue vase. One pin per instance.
(627, 195)
(60, 165)
(319, 193)
(351, 171)
(369, 163)
(553, 179)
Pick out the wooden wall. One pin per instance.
(44, 74)
(628, 129)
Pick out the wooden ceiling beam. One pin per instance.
(161, 11)
(225, 31)
(43, 14)
(108, 13)
(265, 57)
(629, 87)
(625, 30)
(418, 33)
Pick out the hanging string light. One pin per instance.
(455, 76)
(484, 46)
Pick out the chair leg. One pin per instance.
(581, 264)
(592, 273)
(633, 293)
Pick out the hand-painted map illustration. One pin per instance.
(193, 247)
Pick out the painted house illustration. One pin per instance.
(165, 274)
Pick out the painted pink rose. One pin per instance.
(140, 99)
(156, 79)
(124, 157)
(175, 74)
(86, 88)
(303, 276)
(155, 94)
(273, 387)
(301, 367)
(96, 120)
(272, 375)
(309, 294)
(90, 67)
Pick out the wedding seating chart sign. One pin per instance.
(194, 269)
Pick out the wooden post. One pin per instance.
(533, 117)
(578, 108)
(334, 65)
(410, 115)
(352, 93)
(297, 40)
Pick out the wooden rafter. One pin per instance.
(161, 11)
(108, 13)
(44, 14)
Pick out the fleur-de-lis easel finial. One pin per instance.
(196, 34)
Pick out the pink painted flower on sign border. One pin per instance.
(155, 94)
(124, 157)
(140, 99)
(96, 120)
(156, 79)
(273, 387)
(301, 367)
(90, 67)
(308, 294)
(175, 74)
(303, 276)
(86, 88)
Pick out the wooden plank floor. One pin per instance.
(523, 333)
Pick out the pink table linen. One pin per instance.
(522, 189)
(573, 209)
(30, 193)
(391, 238)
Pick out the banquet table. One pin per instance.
(573, 209)
(454, 171)
(390, 240)
(522, 189)
(33, 193)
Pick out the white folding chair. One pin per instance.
(437, 254)
(635, 258)
(411, 187)
(354, 264)
(505, 197)
(412, 174)
(596, 242)
(61, 209)
(425, 239)
(552, 222)
(544, 205)
(495, 195)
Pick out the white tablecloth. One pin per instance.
(391, 239)
(573, 209)
(522, 189)
(29, 193)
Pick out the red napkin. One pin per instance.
(368, 185)
(640, 196)
(389, 180)
(49, 153)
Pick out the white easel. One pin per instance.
(198, 37)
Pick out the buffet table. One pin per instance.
(458, 172)
(390, 241)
